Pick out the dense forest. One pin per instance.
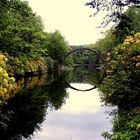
(26, 49)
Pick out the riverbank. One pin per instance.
(15, 67)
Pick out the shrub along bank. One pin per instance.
(121, 88)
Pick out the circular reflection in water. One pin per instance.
(82, 76)
(80, 87)
(88, 67)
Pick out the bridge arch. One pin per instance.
(102, 69)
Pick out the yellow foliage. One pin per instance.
(125, 56)
(6, 82)
(132, 39)
(136, 58)
(138, 65)
(3, 59)
(138, 127)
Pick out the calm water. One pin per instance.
(82, 117)
(45, 108)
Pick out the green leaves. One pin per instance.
(21, 30)
(121, 88)
(57, 47)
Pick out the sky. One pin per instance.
(71, 18)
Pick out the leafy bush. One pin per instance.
(22, 65)
(121, 87)
(122, 70)
(6, 82)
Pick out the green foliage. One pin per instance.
(129, 23)
(29, 49)
(57, 47)
(22, 36)
(123, 69)
(22, 65)
(121, 87)
(125, 125)
(21, 30)
(108, 42)
(85, 55)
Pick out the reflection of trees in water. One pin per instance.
(83, 74)
(23, 114)
(56, 92)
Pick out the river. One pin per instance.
(46, 108)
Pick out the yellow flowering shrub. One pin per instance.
(138, 127)
(126, 56)
(22, 65)
(123, 68)
(6, 82)
(132, 39)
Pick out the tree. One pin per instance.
(21, 30)
(107, 43)
(114, 8)
(22, 36)
(129, 24)
(57, 47)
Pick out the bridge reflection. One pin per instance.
(83, 75)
